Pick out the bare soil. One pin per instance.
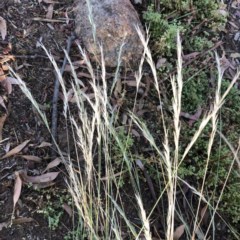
(26, 25)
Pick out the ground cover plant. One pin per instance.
(157, 163)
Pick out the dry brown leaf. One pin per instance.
(204, 215)
(4, 224)
(3, 28)
(68, 209)
(133, 83)
(5, 67)
(12, 80)
(235, 55)
(2, 74)
(178, 232)
(2, 121)
(50, 1)
(22, 220)
(6, 85)
(44, 144)
(118, 88)
(16, 149)
(190, 56)
(136, 133)
(49, 14)
(2, 103)
(161, 62)
(48, 177)
(75, 64)
(31, 158)
(17, 189)
(83, 74)
(52, 164)
(37, 186)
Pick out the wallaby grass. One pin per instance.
(96, 187)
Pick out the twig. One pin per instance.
(48, 20)
(55, 97)
(30, 56)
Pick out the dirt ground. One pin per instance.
(28, 22)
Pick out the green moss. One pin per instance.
(207, 15)
(221, 159)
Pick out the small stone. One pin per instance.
(109, 23)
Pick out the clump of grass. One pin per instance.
(94, 184)
(97, 191)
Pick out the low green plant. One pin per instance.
(208, 15)
(220, 164)
(53, 208)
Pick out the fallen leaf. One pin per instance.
(133, 83)
(83, 74)
(161, 62)
(31, 158)
(2, 75)
(50, 1)
(52, 164)
(204, 215)
(16, 149)
(5, 67)
(17, 189)
(200, 234)
(12, 80)
(44, 144)
(235, 55)
(178, 232)
(195, 117)
(4, 224)
(47, 177)
(118, 88)
(7, 147)
(136, 133)
(37, 186)
(190, 56)
(6, 85)
(68, 209)
(2, 121)
(49, 14)
(2, 103)
(137, 1)
(3, 27)
(22, 220)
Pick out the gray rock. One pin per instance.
(109, 23)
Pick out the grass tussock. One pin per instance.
(96, 185)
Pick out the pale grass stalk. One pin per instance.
(91, 20)
(216, 107)
(177, 85)
(145, 220)
(29, 95)
(210, 143)
(223, 188)
(149, 59)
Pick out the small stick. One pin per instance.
(55, 97)
(48, 20)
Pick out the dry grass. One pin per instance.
(98, 199)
